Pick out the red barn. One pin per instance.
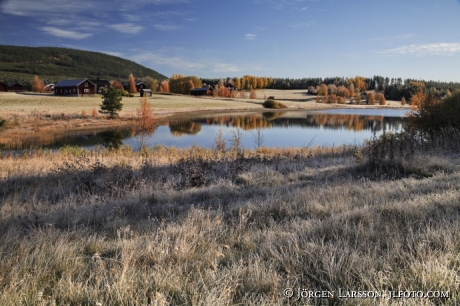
(80, 87)
(3, 87)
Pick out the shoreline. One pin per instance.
(39, 116)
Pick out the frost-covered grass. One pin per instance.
(197, 226)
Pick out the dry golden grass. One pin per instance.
(198, 226)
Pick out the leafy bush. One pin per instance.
(433, 116)
(2, 123)
(273, 104)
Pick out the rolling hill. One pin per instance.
(20, 64)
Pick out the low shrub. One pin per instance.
(273, 104)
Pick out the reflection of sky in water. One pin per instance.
(278, 136)
(365, 112)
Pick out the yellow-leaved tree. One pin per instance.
(38, 85)
(132, 84)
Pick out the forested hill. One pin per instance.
(20, 64)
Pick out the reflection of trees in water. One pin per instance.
(327, 121)
(248, 122)
(180, 128)
(272, 115)
(112, 139)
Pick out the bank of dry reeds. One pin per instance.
(196, 226)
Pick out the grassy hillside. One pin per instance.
(20, 64)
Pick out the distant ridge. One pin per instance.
(20, 64)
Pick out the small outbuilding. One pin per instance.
(203, 91)
(79, 87)
(146, 92)
(139, 86)
(14, 87)
(3, 87)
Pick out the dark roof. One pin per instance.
(67, 83)
(12, 84)
(101, 82)
(201, 89)
(139, 83)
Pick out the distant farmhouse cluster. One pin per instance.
(14, 87)
(77, 87)
(86, 87)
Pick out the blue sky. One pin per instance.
(285, 38)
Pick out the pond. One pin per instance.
(278, 129)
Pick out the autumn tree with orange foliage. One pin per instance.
(434, 117)
(223, 92)
(370, 98)
(419, 98)
(323, 90)
(250, 81)
(237, 83)
(164, 86)
(38, 85)
(358, 98)
(132, 84)
(117, 85)
(359, 82)
(146, 123)
(180, 84)
(380, 98)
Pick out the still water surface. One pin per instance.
(279, 129)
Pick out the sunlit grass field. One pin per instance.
(55, 104)
(198, 226)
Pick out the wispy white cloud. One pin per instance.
(127, 28)
(163, 27)
(281, 4)
(158, 2)
(169, 13)
(59, 22)
(32, 7)
(181, 63)
(65, 33)
(421, 50)
(393, 38)
(176, 62)
(250, 36)
(224, 67)
(304, 8)
(132, 17)
(299, 25)
(119, 54)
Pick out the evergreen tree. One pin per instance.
(111, 102)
